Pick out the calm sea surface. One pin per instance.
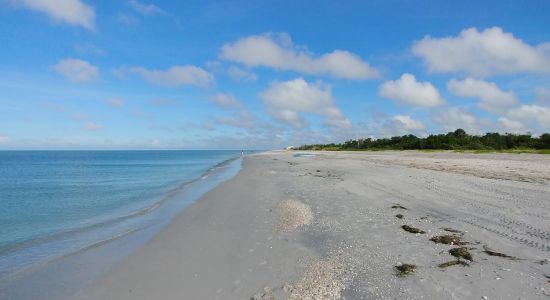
(58, 202)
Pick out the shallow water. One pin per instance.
(54, 203)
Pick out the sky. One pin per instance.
(159, 74)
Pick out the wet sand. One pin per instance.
(325, 227)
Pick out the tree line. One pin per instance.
(455, 140)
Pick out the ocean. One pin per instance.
(57, 203)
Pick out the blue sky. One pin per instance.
(81, 74)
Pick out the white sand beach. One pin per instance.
(325, 227)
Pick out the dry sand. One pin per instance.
(323, 227)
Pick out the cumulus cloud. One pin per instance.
(506, 125)
(226, 100)
(453, 118)
(402, 125)
(489, 52)
(543, 95)
(77, 70)
(243, 120)
(287, 100)
(278, 52)
(93, 126)
(491, 97)
(532, 114)
(175, 76)
(73, 12)
(145, 9)
(409, 91)
(239, 74)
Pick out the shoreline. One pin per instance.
(29, 281)
(304, 227)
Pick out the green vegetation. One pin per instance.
(458, 140)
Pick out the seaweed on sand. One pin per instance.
(461, 252)
(398, 206)
(412, 229)
(453, 263)
(494, 253)
(453, 230)
(448, 240)
(404, 269)
(399, 216)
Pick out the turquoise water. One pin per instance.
(58, 202)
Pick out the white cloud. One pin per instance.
(73, 12)
(484, 53)
(278, 52)
(453, 118)
(409, 91)
(491, 97)
(115, 102)
(402, 125)
(287, 100)
(226, 100)
(145, 9)
(93, 126)
(175, 76)
(505, 125)
(243, 120)
(77, 70)
(239, 74)
(543, 95)
(532, 114)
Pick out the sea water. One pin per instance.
(56, 203)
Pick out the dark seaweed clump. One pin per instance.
(453, 263)
(494, 253)
(404, 269)
(448, 240)
(453, 230)
(399, 216)
(412, 229)
(398, 206)
(461, 252)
